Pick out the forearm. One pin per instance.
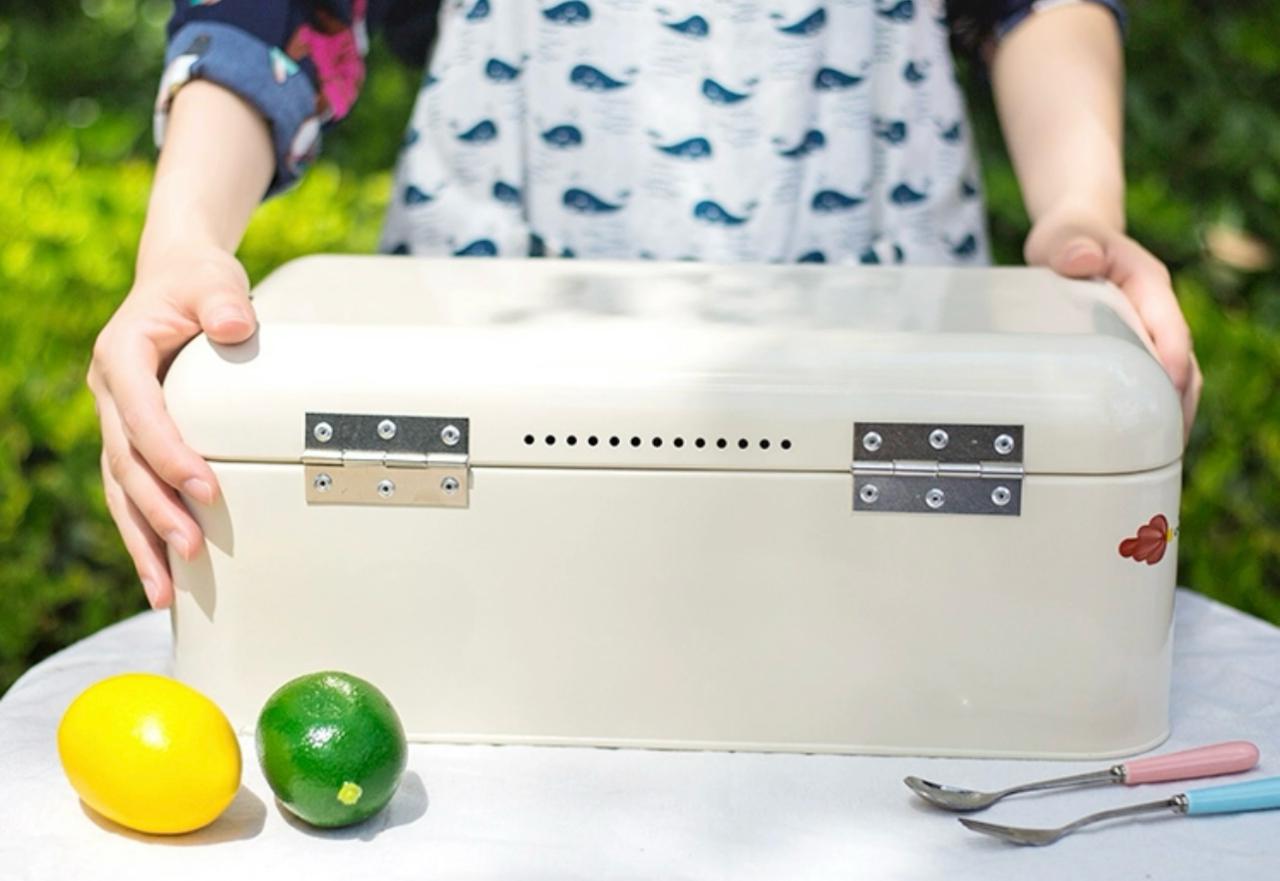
(214, 168)
(1058, 80)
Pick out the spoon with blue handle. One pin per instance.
(1234, 798)
(1230, 757)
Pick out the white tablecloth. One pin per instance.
(558, 813)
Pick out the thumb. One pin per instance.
(1078, 257)
(227, 317)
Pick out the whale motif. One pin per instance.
(507, 194)
(831, 201)
(694, 26)
(968, 189)
(828, 79)
(583, 202)
(400, 248)
(479, 11)
(415, 196)
(952, 133)
(915, 73)
(571, 12)
(482, 132)
(891, 131)
(537, 245)
(902, 194)
(568, 253)
(499, 71)
(690, 148)
(478, 248)
(903, 10)
(714, 212)
(718, 94)
(593, 79)
(812, 140)
(966, 247)
(563, 136)
(871, 257)
(812, 257)
(807, 26)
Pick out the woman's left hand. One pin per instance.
(1081, 249)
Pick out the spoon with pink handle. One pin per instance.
(1230, 757)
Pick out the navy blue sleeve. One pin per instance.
(300, 63)
(1013, 12)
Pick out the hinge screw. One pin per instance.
(935, 498)
(450, 435)
(386, 429)
(1001, 495)
(938, 439)
(1004, 444)
(449, 485)
(323, 432)
(869, 493)
(322, 482)
(386, 489)
(871, 441)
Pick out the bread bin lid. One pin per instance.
(566, 363)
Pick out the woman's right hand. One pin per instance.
(178, 292)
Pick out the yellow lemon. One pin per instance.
(150, 753)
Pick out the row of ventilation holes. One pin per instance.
(721, 443)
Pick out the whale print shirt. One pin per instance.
(720, 130)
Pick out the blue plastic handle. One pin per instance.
(1256, 795)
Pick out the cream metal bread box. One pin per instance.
(821, 509)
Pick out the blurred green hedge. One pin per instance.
(76, 83)
(67, 236)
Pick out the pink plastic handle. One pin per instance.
(1204, 761)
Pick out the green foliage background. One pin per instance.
(76, 85)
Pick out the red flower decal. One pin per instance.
(1149, 544)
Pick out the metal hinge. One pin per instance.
(930, 468)
(358, 459)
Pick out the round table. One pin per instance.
(567, 813)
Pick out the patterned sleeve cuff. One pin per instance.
(263, 75)
(1015, 12)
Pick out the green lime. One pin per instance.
(331, 747)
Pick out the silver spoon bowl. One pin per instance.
(955, 798)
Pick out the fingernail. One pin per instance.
(179, 543)
(225, 314)
(152, 590)
(1079, 249)
(199, 490)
